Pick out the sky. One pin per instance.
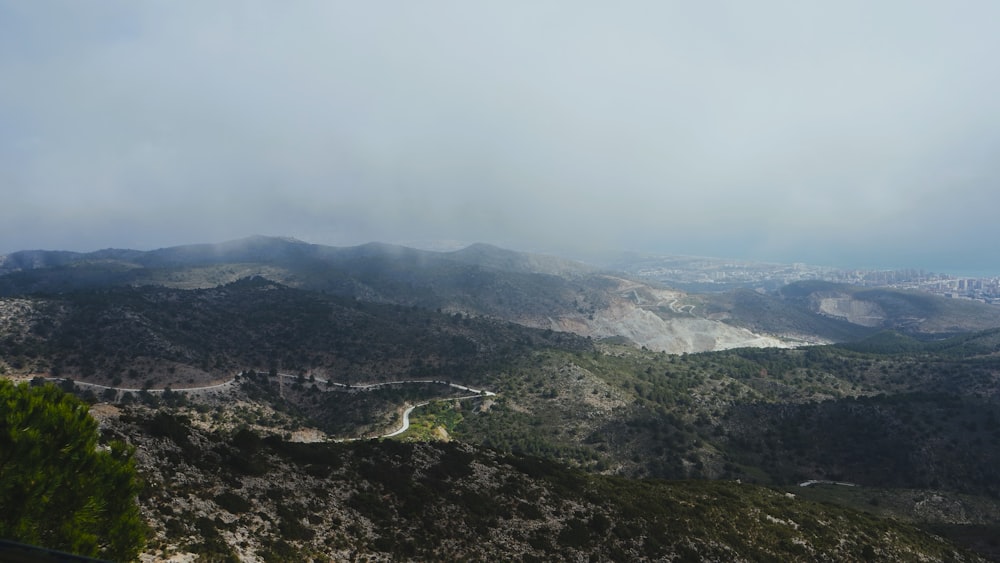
(848, 133)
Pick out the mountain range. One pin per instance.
(532, 290)
(257, 377)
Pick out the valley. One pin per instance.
(295, 402)
(226, 390)
(521, 282)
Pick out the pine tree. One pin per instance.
(58, 488)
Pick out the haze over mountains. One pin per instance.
(351, 400)
(533, 290)
(226, 363)
(757, 131)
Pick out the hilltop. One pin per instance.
(533, 290)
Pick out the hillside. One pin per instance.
(180, 337)
(840, 313)
(599, 405)
(237, 496)
(908, 311)
(894, 411)
(775, 417)
(533, 290)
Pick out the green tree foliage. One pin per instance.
(58, 488)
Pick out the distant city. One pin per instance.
(979, 289)
(706, 274)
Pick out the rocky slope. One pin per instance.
(662, 320)
(765, 416)
(536, 291)
(235, 495)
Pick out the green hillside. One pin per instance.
(225, 496)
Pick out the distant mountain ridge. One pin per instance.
(534, 290)
(285, 250)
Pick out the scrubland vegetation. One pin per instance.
(589, 448)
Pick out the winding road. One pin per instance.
(475, 393)
(406, 421)
(149, 390)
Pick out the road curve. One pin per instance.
(363, 386)
(148, 390)
(406, 422)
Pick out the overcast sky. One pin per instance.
(841, 132)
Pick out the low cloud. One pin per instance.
(845, 134)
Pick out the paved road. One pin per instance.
(406, 413)
(367, 386)
(409, 409)
(406, 422)
(363, 386)
(150, 390)
(821, 482)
